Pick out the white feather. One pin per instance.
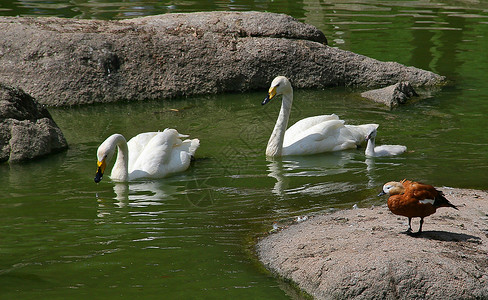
(427, 201)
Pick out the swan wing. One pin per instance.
(327, 136)
(181, 156)
(359, 132)
(163, 154)
(304, 124)
(136, 146)
(153, 154)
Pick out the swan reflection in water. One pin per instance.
(137, 194)
(322, 165)
(370, 172)
(377, 166)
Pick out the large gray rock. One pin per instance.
(70, 61)
(364, 254)
(27, 130)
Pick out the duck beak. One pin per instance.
(100, 169)
(381, 194)
(271, 94)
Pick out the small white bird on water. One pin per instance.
(383, 150)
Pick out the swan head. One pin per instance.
(105, 153)
(279, 86)
(392, 188)
(371, 135)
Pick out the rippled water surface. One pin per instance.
(192, 235)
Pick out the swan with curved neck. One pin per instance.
(311, 135)
(383, 150)
(147, 155)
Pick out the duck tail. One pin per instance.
(442, 201)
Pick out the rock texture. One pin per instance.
(70, 61)
(392, 95)
(363, 254)
(27, 130)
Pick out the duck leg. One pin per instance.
(421, 223)
(415, 234)
(409, 230)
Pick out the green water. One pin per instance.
(191, 236)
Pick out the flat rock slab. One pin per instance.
(364, 254)
(71, 61)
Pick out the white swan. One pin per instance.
(311, 135)
(383, 150)
(147, 155)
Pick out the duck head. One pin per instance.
(279, 86)
(392, 188)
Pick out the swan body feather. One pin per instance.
(324, 133)
(147, 155)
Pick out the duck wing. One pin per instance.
(426, 193)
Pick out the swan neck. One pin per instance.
(275, 143)
(120, 170)
(370, 147)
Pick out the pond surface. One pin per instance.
(192, 235)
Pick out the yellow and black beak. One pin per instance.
(100, 169)
(271, 94)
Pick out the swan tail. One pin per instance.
(194, 144)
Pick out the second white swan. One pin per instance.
(147, 155)
(311, 135)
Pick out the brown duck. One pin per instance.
(413, 199)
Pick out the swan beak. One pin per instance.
(271, 94)
(100, 169)
(381, 194)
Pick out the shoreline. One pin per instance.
(364, 254)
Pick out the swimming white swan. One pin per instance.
(147, 155)
(383, 150)
(311, 135)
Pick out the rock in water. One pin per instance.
(27, 130)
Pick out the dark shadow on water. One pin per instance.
(447, 236)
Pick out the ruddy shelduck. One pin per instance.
(413, 199)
